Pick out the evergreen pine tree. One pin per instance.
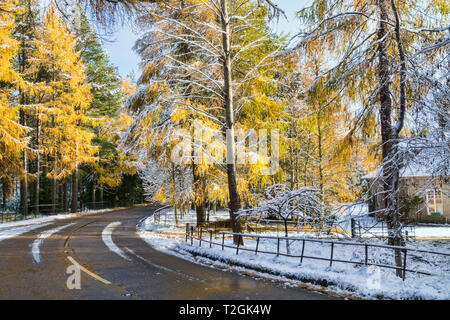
(107, 98)
(101, 74)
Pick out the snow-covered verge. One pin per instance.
(433, 231)
(360, 281)
(16, 228)
(168, 220)
(168, 223)
(6, 233)
(373, 227)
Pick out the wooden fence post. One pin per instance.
(404, 264)
(352, 227)
(303, 250)
(187, 231)
(210, 238)
(223, 240)
(366, 250)
(331, 256)
(237, 247)
(278, 247)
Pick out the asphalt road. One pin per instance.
(143, 272)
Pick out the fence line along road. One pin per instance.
(356, 228)
(192, 231)
(46, 209)
(160, 211)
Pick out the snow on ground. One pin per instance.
(367, 282)
(168, 221)
(374, 227)
(432, 231)
(34, 221)
(6, 233)
(16, 228)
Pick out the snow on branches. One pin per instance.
(286, 204)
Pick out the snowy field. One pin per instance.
(361, 281)
(16, 228)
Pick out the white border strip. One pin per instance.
(35, 246)
(107, 239)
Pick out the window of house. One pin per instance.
(434, 201)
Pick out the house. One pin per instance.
(423, 195)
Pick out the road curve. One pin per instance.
(35, 265)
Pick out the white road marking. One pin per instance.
(93, 275)
(35, 246)
(107, 239)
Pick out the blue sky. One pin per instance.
(122, 55)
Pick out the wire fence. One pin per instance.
(354, 228)
(377, 229)
(161, 212)
(370, 256)
(359, 227)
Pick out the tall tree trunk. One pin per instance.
(38, 165)
(235, 201)
(101, 197)
(5, 192)
(53, 174)
(23, 121)
(54, 187)
(74, 202)
(64, 197)
(390, 174)
(201, 214)
(320, 150)
(24, 178)
(61, 197)
(93, 195)
(397, 239)
(198, 186)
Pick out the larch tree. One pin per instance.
(24, 32)
(12, 133)
(204, 60)
(326, 116)
(371, 44)
(61, 100)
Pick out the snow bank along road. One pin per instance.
(115, 263)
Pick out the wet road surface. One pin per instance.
(142, 272)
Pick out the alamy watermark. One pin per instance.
(74, 279)
(205, 145)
